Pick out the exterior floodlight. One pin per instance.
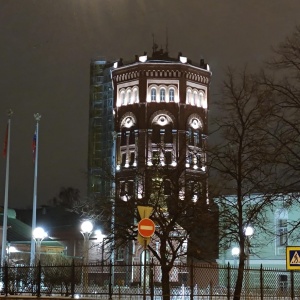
(143, 58)
(39, 233)
(183, 59)
(12, 249)
(249, 231)
(235, 252)
(115, 65)
(86, 227)
(100, 237)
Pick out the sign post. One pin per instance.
(146, 229)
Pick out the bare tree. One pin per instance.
(185, 221)
(241, 163)
(281, 80)
(67, 197)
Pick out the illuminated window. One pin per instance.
(135, 95)
(188, 97)
(122, 97)
(129, 97)
(153, 94)
(171, 95)
(195, 98)
(201, 100)
(162, 95)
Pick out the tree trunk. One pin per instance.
(239, 280)
(165, 280)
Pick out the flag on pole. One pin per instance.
(34, 146)
(5, 142)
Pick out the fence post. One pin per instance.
(6, 279)
(151, 281)
(39, 276)
(292, 285)
(110, 282)
(228, 281)
(261, 283)
(192, 280)
(73, 278)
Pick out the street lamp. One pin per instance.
(249, 231)
(86, 231)
(235, 252)
(38, 234)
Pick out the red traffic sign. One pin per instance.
(146, 228)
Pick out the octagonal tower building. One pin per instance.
(160, 120)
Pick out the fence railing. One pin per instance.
(120, 281)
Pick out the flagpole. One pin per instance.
(7, 153)
(37, 117)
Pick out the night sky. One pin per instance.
(45, 51)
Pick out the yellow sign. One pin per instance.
(145, 211)
(293, 258)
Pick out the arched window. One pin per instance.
(129, 97)
(201, 99)
(194, 131)
(123, 98)
(188, 97)
(194, 98)
(171, 95)
(153, 94)
(135, 95)
(162, 95)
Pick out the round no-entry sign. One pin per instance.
(146, 228)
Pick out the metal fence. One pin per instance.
(119, 281)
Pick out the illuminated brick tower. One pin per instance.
(160, 107)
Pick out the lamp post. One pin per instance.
(86, 231)
(235, 252)
(248, 233)
(38, 234)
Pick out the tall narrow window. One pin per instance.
(167, 188)
(201, 99)
(168, 157)
(123, 98)
(135, 94)
(162, 95)
(171, 95)
(153, 94)
(129, 97)
(282, 232)
(188, 97)
(194, 98)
